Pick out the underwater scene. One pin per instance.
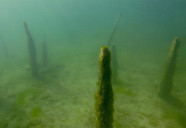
(92, 64)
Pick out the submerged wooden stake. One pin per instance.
(44, 53)
(167, 81)
(104, 95)
(32, 52)
(114, 64)
(114, 30)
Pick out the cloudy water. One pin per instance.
(49, 63)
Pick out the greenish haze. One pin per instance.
(114, 65)
(75, 30)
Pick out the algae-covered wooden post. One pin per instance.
(44, 53)
(104, 95)
(114, 64)
(167, 81)
(32, 52)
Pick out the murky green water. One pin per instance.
(63, 94)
